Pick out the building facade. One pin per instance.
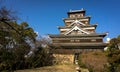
(77, 36)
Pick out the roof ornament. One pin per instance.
(77, 22)
(76, 28)
(70, 10)
(82, 8)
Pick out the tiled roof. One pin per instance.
(76, 11)
(80, 44)
(84, 17)
(81, 35)
(92, 25)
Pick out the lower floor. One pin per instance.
(68, 56)
(63, 58)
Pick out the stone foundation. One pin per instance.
(63, 58)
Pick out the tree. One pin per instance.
(15, 41)
(15, 45)
(113, 55)
(40, 54)
(39, 58)
(18, 48)
(7, 14)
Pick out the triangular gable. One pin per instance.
(77, 22)
(76, 28)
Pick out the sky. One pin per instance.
(45, 15)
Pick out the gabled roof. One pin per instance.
(77, 22)
(80, 35)
(81, 44)
(76, 11)
(84, 17)
(76, 28)
(92, 25)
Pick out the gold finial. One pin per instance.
(70, 10)
(82, 8)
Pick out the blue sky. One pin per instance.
(45, 15)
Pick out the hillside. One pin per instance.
(56, 68)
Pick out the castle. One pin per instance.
(77, 36)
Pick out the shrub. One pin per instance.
(94, 61)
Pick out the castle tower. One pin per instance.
(77, 36)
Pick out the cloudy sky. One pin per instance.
(45, 15)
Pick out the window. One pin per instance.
(93, 40)
(72, 40)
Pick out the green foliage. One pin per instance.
(94, 61)
(80, 63)
(113, 54)
(15, 48)
(83, 65)
(40, 58)
(16, 43)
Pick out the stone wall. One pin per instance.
(63, 58)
